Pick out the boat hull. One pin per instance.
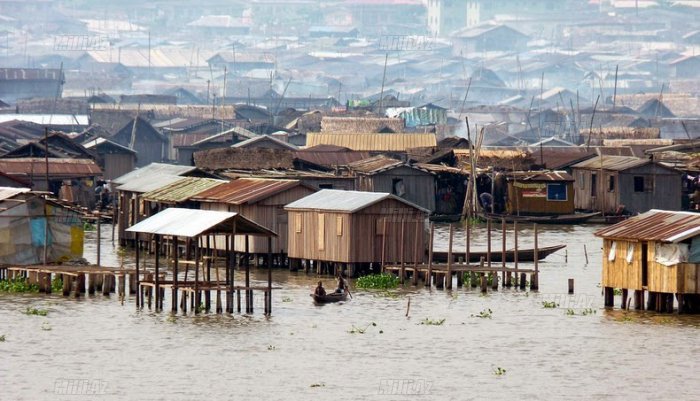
(329, 298)
(576, 218)
(524, 255)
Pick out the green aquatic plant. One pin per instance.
(589, 311)
(549, 304)
(617, 291)
(499, 371)
(36, 312)
(432, 322)
(88, 226)
(56, 284)
(317, 385)
(2, 338)
(361, 330)
(286, 299)
(46, 326)
(377, 281)
(570, 312)
(17, 285)
(484, 314)
(271, 347)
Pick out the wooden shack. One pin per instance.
(130, 207)
(260, 200)
(117, 160)
(140, 136)
(384, 174)
(606, 183)
(540, 193)
(657, 252)
(353, 229)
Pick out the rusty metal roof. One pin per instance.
(194, 222)
(373, 142)
(181, 190)
(614, 163)
(245, 190)
(9, 192)
(58, 168)
(655, 225)
(374, 164)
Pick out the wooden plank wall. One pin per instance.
(355, 238)
(539, 205)
(619, 273)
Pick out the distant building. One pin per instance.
(447, 16)
(488, 37)
(23, 83)
(686, 67)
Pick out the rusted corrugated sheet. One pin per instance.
(374, 164)
(245, 190)
(181, 190)
(330, 158)
(373, 142)
(655, 225)
(58, 168)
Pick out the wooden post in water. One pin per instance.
(571, 287)
(248, 298)
(467, 252)
(416, 253)
(448, 276)
(488, 243)
(624, 298)
(229, 275)
(176, 257)
(429, 278)
(268, 303)
(535, 278)
(157, 277)
(99, 240)
(207, 275)
(195, 296)
(515, 253)
(138, 277)
(639, 299)
(503, 252)
(383, 245)
(483, 282)
(402, 277)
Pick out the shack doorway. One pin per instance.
(645, 266)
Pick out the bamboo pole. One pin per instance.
(383, 245)
(429, 278)
(515, 255)
(535, 280)
(416, 253)
(448, 277)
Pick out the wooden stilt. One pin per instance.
(535, 277)
(448, 276)
(429, 278)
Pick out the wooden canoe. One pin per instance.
(576, 218)
(331, 297)
(524, 255)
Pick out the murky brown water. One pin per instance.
(97, 346)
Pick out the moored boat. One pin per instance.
(524, 255)
(575, 218)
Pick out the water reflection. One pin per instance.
(547, 353)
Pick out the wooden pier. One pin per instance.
(485, 274)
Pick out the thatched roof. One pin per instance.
(244, 159)
(353, 125)
(600, 134)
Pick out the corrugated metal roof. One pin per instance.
(66, 168)
(9, 192)
(181, 190)
(245, 190)
(193, 222)
(374, 164)
(48, 119)
(154, 171)
(335, 200)
(615, 163)
(541, 176)
(148, 183)
(262, 138)
(373, 142)
(94, 143)
(655, 225)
